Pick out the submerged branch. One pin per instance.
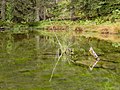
(93, 53)
(58, 40)
(91, 67)
(55, 68)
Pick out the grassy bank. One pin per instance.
(94, 26)
(63, 25)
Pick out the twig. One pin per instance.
(92, 52)
(58, 40)
(58, 58)
(54, 68)
(56, 37)
(91, 67)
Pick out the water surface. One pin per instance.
(27, 60)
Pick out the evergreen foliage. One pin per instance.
(25, 10)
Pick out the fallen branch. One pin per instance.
(91, 67)
(92, 52)
(55, 68)
(58, 40)
(58, 58)
(63, 50)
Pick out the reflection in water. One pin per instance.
(19, 37)
(37, 41)
(37, 38)
(112, 37)
(22, 68)
(105, 35)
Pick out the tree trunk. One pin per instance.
(56, 1)
(37, 14)
(37, 9)
(37, 48)
(44, 15)
(3, 9)
(37, 42)
(72, 10)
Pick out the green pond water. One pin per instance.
(27, 61)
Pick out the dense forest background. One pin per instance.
(37, 10)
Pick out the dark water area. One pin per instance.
(27, 61)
